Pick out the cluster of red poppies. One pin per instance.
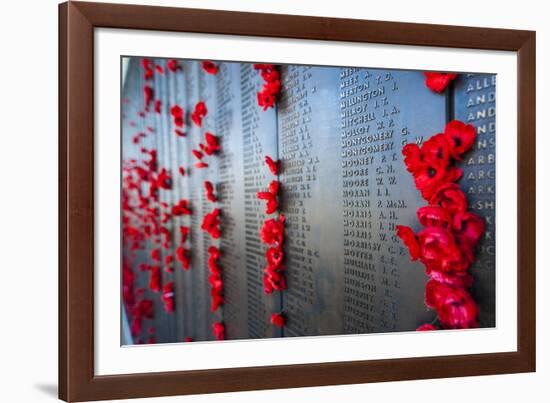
(272, 85)
(210, 146)
(451, 233)
(178, 115)
(215, 278)
(145, 216)
(272, 234)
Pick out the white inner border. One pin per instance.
(111, 358)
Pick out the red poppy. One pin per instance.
(433, 216)
(216, 300)
(155, 254)
(159, 69)
(198, 154)
(274, 257)
(148, 68)
(266, 99)
(155, 278)
(209, 188)
(201, 164)
(181, 171)
(436, 151)
(209, 67)
(214, 252)
(179, 133)
(182, 208)
(468, 228)
(164, 179)
(272, 231)
(188, 339)
(183, 256)
(413, 157)
(219, 330)
(173, 65)
(451, 198)
(409, 239)
(460, 137)
(270, 197)
(439, 251)
(454, 305)
(168, 296)
(278, 320)
(426, 327)
(178, 115)
(272, 165)
(199, 113)
(212, 143)
(211, 223)
(148, 96)
(438, 82)
(184, 231)
(157, 106)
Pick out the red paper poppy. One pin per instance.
(219, 330)
(438, 82)
(164, 179)
(278, 320)
(209, 188)
(435, 151)
(272, 165)
(460, 137)
(188, 339)
(178, 115)
(198, 154)
(212, 143)
(454, 305)
(409, 239)
(272, 231)
(184, 257)
(266, 99)
(184, 231)
(158, 105)
(468, 228)
(181, 170)
(199, 113)
(168, 296)
(155, 278)
(179, 133)
(201, 164)
(209, 67)
(173, 65)
(159, 69)
(155, 254)
(433, 216)
(148, 94)
(274, 257)
(211, 223)
(451, 198)
(182, 208)
(439, 251)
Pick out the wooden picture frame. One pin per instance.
(77, 21)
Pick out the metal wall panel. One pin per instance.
(475, 104)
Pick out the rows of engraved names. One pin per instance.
(253, 182)
(369, 147)
(299, 162)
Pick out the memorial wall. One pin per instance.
(338, 133)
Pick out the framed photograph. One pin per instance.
(258, 201)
